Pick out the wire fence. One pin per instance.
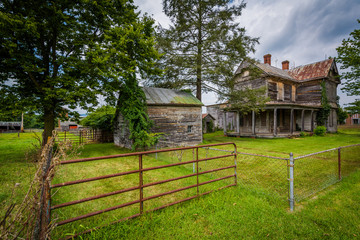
(295, 179)
(317, 171)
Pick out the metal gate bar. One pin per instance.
(141, 185)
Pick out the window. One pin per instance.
(189, 128)
(355, 121)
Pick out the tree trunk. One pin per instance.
(199, 58)
(49, 124)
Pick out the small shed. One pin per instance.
(208, 122)
(10, 126)
(176, 114)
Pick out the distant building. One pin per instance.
(353, 119)
(10, 126)
(295, 98)
(176, 115)
(208, 122)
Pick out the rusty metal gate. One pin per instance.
(194, 173)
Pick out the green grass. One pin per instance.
(255, 209)
(243, 213)
(14, 167)
(281, 147)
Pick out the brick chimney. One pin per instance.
(285, 65)
(267, 59)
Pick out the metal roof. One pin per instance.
(311, 71)
(274, 71)
(164, 96)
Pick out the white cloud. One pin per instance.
(301, 31)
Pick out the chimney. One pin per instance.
(267, 59)
(285, 65)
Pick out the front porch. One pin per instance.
(273, 122)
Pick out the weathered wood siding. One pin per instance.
(272, 91)
(309, 92)
(174, 122)
(122, 133)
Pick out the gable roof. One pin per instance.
(164, 96)
(204, 115)
(311, 71)
(274, 71)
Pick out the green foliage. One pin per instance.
(302, 134)
(132, 106)
(64, 53)
(349, 57)
(248, 100)
(202, 45)
(102, 118)
(342, 115)
(354, 107)
(320, 131)
(324, 112)
(210, 126)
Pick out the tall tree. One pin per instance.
(58, 54)
(203, 45)
(349, 57)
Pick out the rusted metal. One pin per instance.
(141, 153)
(339, 162)
(141, 185)
(135, 188)
(185, 188)
(197, 171)
(93, 179)
(134, 171)
(96, 213)
(149, 211)
(94, 197)
(106, 225)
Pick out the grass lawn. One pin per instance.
(253, 209)
(14, 167)
(243, 213)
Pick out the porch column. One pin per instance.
(224, 122)
(253, 123)
(302, 119)
(238, 122)
(275, 122)
(312, 120)
(292, 121)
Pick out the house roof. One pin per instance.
(274, 71)
(311, 71)
(164, 96)
(204, 115)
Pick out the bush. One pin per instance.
(302, 134)
(320, 131)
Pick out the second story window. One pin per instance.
(272, 91)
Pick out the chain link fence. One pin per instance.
(292, 181)
(315, 172)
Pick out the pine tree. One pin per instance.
(203, 44)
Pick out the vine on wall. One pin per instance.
(323, 114)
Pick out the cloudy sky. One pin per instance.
(301, 31)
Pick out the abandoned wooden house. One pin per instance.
(176, 115)
(295, 98)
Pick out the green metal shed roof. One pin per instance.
(164, 96)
